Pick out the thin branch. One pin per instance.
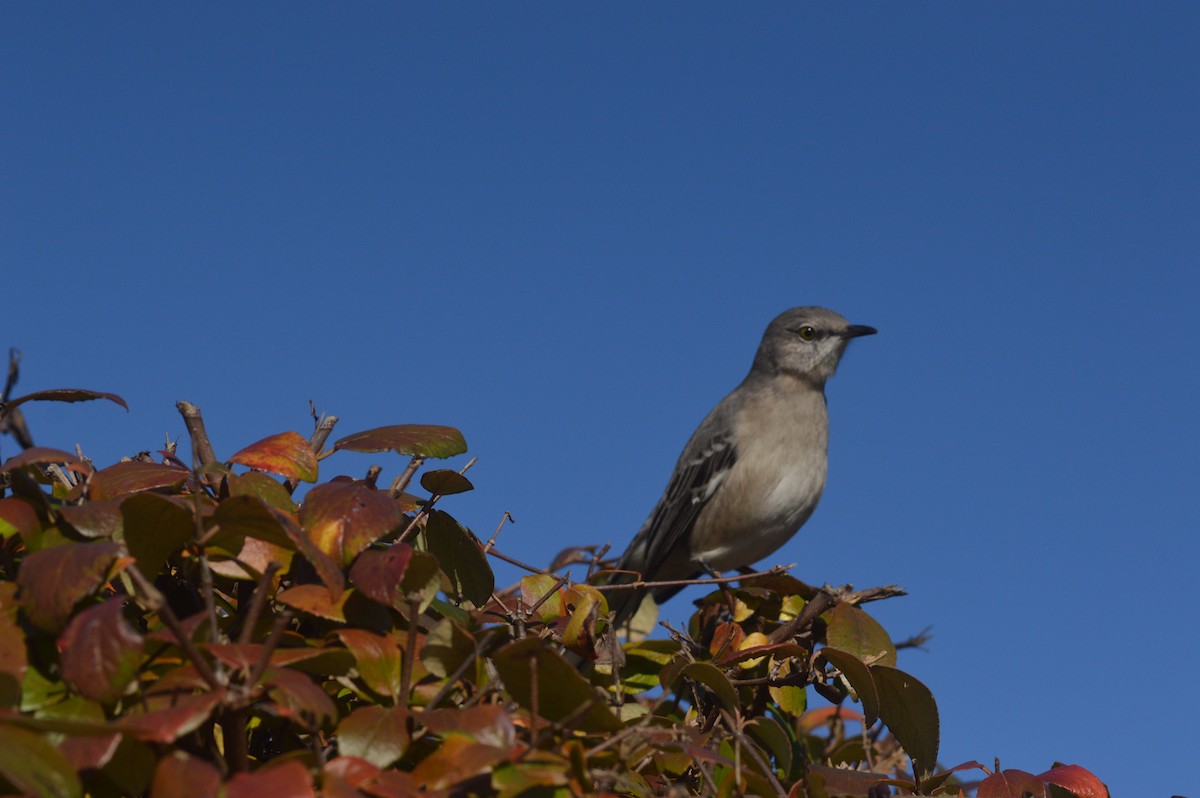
(158, 603)
(714, 580)
(257, 602)
(427, 506)
(410, 651)
(492, 540)
(316, 441)
(264, 659)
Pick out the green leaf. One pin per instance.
(860, 679)
(711, 677)
(248, 516)
(265, 487)
(424, 440)
(446, 648)
(155, 528)
(774, 741)
(444, 482)
(528, 669)
(421, 581)
(853, 631)
(907, 707)
(377, 734)
(100, 652)
(287, 454)
(53, 580)
(461, 559)
(34, 766)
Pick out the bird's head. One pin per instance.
(806, 343)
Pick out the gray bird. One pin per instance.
(753, 471)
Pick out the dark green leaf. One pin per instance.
(461, 559)
(444, 482)
(711, 677)
(446, 648)
(155, 528)
(559, 689)
(860, 679)
(907, 708)
(265, 487)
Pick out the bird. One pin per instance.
(752, 472)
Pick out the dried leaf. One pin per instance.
(65, 395)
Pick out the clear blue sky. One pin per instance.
(562, 228)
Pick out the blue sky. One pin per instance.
(562, 228)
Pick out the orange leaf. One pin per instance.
(287, 454)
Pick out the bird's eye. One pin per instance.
(807, 333)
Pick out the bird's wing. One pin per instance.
(697, 477)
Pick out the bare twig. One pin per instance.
(492, 540)
(410, 651)
(194, 422)
(427, 506)
(401, 482)
(316, 441)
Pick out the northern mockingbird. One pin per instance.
(753, 471)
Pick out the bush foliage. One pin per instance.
(184, 630)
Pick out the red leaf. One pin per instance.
(300, 697)
(287, 454)
(344, 518)
(286, 780)
(351, 769)
(17, 518)
(180, 775)
(377, 574)
(39, 455)
(425, 440)
(100, 652)
(167, 725)
(1011, 784)
(133, 476)
(53, 580)
(1078, 780)
(66, 395)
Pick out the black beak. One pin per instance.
(857, 331)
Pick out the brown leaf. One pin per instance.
(180, 775)
(100, 652)
(94, 519)
(287, 454)
(425, 440)
(457, 759)
(38, 455)
(66, 395)
(53, 580)
(344, 518)
(134, 476)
